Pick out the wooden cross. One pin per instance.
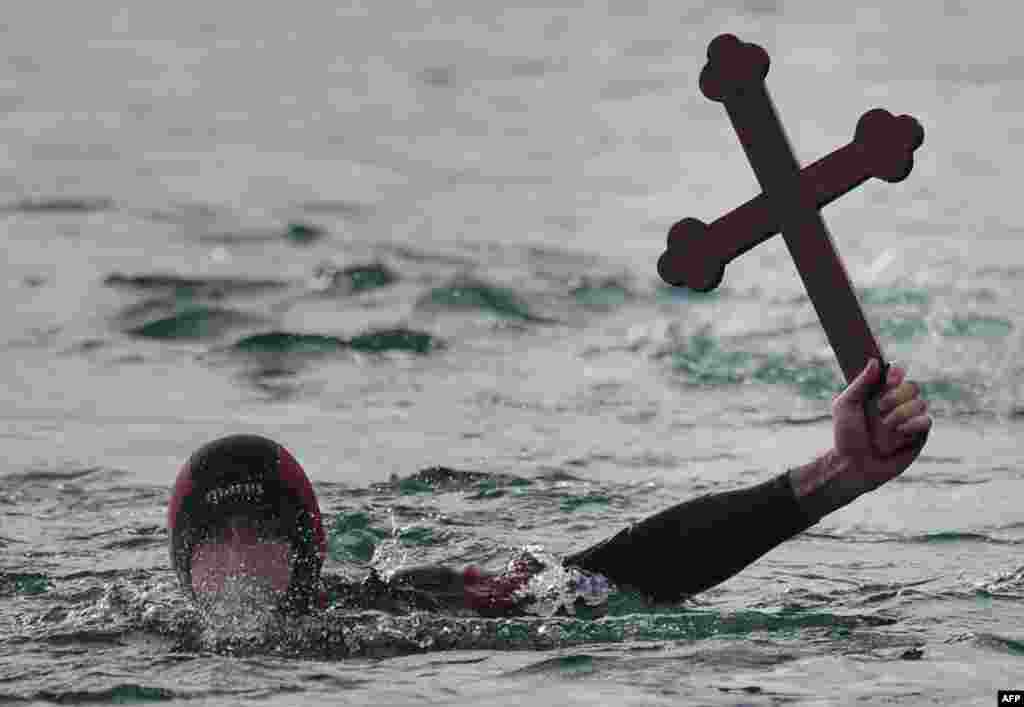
(883, 147)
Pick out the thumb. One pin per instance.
(861, 387)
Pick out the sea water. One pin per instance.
(416, 243)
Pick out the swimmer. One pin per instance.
(242, 508)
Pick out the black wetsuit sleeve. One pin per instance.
(695, 545)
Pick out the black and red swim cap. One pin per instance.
(256, 478)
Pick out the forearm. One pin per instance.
(697, 544)
(825, 484)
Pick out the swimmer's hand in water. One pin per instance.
(473, 588)
(443, 586)
(866, 455)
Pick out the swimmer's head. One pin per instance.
(242, 506)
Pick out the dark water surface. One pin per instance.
(406, 235)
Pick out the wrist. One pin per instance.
(826, 484)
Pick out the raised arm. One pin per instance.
(697, 544)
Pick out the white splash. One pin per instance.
(243, 608)
(557, 589)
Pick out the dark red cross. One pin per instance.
(882, 146)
